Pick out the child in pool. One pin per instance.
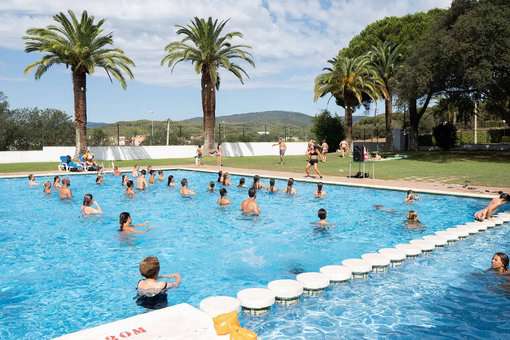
(31, 180)
(47, 188)
(152, 293)
(210, 188)
(129, 189)
(223, 200)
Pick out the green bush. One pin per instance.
(445, 135)
(425, 140)
(328, 127)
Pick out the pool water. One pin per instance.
(62, 272)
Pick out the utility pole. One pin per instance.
(167, 131)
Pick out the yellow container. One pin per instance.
(225, 323)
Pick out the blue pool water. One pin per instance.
(62, 272)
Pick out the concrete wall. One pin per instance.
(52, 153)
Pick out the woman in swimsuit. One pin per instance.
(499, 263)
(313, 161)
(126, 226)
(56, 182)
(152, 293)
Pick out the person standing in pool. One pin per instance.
(152, 176)
(32, 181)
(151, 292)
(65, 191)
(223, 200)
(499, 263)
(47, 187)
(126, 224)
(256, 183)
(322, 214)
(129, 189)
(412, 220)
(141, 182)
(210, 188)
(242, 181)
(320, 193)
(494, 204)
(272, 186)
(282, 147)
(161, 176)
(56, 182)
(90, 206)
(185, 191)
(226, 179)
(249, 206)
(290, 190)
(411, 196)
(313, 161)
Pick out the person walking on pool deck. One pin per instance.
(152, 293)
(199, 155)
(494, 204)
(65, 192)
(313, 161)
(249, 206)
(282, 147)
(325, 150)
(87, 207)
(223, 200)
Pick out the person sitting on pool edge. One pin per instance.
(499, 263)
(141, 182)
(65, 192)
(412, 219)
(249, 206)
(322, 214)
(494, 204)
(87, 208)
(185, 191)
(290, 190)
(47, 187)
(126, 226)
(210, 188)
(272, 188)
(129, 189)
(242, 181)
(223, 200)
(151, 293)
(320, 193)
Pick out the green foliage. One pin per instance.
(98, 137)
(328, 127)
(426, 140)
(445, 135)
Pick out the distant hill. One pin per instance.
(280, 117)
(96, 124)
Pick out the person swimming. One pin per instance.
(47, 187)
(499, 263)
(411, 196)
(56, 182)
(65, 191)
(170, 182)
(141, 182)
(223, 200)
(152, 293)
(152, 176)
(381, 207)
(242, 182)
(99, 179)
(412, 219)
(272, 188)
(493, 205)
(185, 191)
(256, 183)
(249, 206)
(322, 214)
(161, 176)
(320, 193)
(126, 226)
(129, 189)
(226, 179)
(290, 190)
(90, 206)
(32, 181)
(210, 188)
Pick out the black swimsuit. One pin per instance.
(314, 158)
(152, 299)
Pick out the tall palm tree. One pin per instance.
(204, 44)
(385, 58)
(82, 46)
(352, 82)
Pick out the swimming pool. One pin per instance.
(62, 272)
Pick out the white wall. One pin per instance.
(52, 153)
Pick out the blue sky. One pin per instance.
(291, 40)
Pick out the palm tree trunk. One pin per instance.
(348, 123)
(388, 108)
(80, 111)
(208, 109)
(414, 122)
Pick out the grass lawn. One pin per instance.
(491, 169)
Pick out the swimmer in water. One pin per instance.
(126, 226)
(65, 191)
(412, 219)
(272, 188)
(124, 180)
(90, 206)
(322, 214)
(116, 171)
(141, 182)
(411, 196)
(129, 189)
(381, 207)
(320, 193)
(47, 187)
(249, 206)
(134, 171)
(210, 188)
(242, 181)
(256, 183)
(226, 179)
(223, 200)
(499, 263)
(99, 179)
(290, 190)
(152, 176)
(161, 176)
(170, 182)
(494, 204)
(56, 182)
(31, 180)
(151, 292)
(185, 191)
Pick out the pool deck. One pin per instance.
(402, 185)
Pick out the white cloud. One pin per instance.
(291, 39)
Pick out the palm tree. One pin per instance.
(82, 46)
(385, 58)
(208, 49)
(352, 82)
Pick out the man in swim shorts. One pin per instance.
(282, 147)
(494, 204)
(249, 205)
